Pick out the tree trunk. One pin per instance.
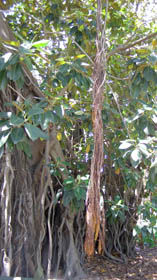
(95, 213)
(37, 237)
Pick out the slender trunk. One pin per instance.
(95, 213)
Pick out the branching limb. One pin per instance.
(125, 47)
(16, 91)
(84, 52)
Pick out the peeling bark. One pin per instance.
(93, 213)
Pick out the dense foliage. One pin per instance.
(46, 136)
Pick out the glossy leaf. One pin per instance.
(20, 81)
(80, 193)
(17, 134)
(35, 110)
(5, 115)
(1, 151)
(14, 59)
(125, 145)
(67, 197)
(4, 137)
(25, 147)
(40, 44)
(136, 157)
(79, 113)
(148, 74)
(15, 120)
(3, 80)
(58, 111)
(34, 132)
(143, 148)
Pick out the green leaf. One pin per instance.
(64, 68)
(85, 82)
(147, 107)
(27, 102)
(79, 113)
(66, 80)
(121, 216)
(77, 65)
(79, 79)
(154, 78)
(6, 57)
(136, 157)
(149, 129)
(35, 110)
(136, 91)
(3, 80)
(152, 59)
(48, 117)
(4, 125)
(68, 181)
(55, 83)
(28, 62)
(80, 192)
(79, 37)
(13, 59)
(38, 119)
(148, 74)
(20, 81)
(15, 72)
(34, 132)
(5, 115)
(42, 104)
(4, 137)
(2, 64)
(143, 148)
(137, 80)
(144, 85)
(63, 78)
(58, 111)
(25, 147)
(16, 121)
(10, 72)
(17, 134)
(1, 151)
(125, 145)
(67, 197)
(10, 144)
(73, 73)
(25, 50)
(154, 119)
(73, 30)
(40, 44)
(18, 72)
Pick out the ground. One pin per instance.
(142, 267)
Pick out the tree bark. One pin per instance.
(28, 216)
(95, 212)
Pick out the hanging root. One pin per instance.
(6, 215)
(73, 267)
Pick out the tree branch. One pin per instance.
(125, 47)
(83, 52)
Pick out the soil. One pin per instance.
(142, 267)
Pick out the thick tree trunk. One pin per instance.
(36, 234)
